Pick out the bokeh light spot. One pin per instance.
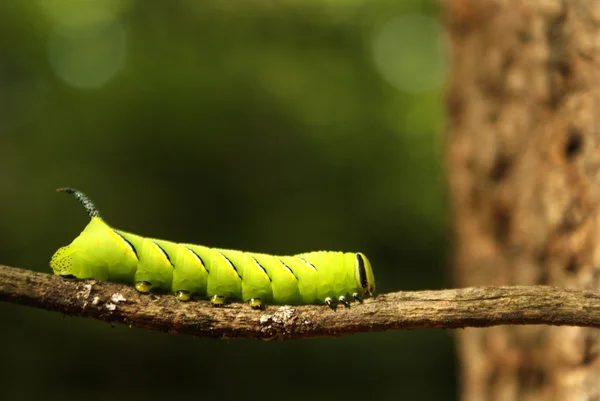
(68, 16)
(89, 43)
(91, 58)
(410, 53)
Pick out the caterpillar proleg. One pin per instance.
(104, 253)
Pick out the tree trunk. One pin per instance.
(523, 154)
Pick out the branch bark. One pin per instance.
(445, 309)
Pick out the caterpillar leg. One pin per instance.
(357, 297)
(143, 286)
(329, 303)
(217, 301)
(255, 303)
(343, 301)
(183, 295)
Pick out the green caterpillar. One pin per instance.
(103, 253)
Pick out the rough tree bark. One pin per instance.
(523, 154)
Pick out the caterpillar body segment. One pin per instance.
(103, 253)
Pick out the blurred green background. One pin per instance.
(273, 126)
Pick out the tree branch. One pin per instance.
(445, 309)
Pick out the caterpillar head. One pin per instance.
(364, 274)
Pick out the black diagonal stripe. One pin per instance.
(262, 267)
(128, 243)
(308, 264)
(232, 265)
(165, 254)
(199, 259)
(288, 268)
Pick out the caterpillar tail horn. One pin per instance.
(89, 206)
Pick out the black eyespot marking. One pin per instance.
(199, 259)
(262, 267)
(128, 244)
(288, 268)
(165, 254)
(231, 264)
(362, 273)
